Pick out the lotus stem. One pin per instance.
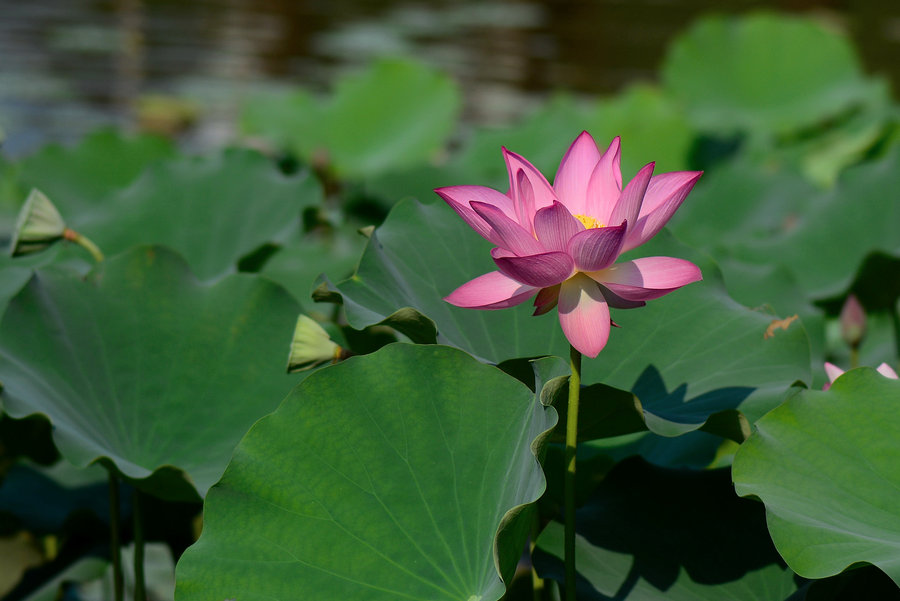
(85, 242)
(115, 544)
(571, 445)
(854, 357)
(140, 591)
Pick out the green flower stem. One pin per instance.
(85, 242)
(854, 357)
(571, 445)
(140, 591)
(115, 545)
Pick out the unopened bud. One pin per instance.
(312, 346)
(38, 226)
(853, 322)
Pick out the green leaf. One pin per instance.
(765, 74)
(213, 210)
(825, 464)
(383, 477)
(743, 202)
(607, 412)
(396, 114)
(759, 217)
(81, 178)
(829, 241)
(650, 533)
(299, 263)
(695, 344)
(143, 365)
(652, 127)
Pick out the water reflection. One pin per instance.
(70, 66)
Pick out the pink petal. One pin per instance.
(545, 300)
(584, 315)
(512, 235)
(490, 291)
(458, 197)
(605, 184)
(885, 370)
(574, 173)
(555, 226)
(597, 248)
(832, 371)
(617, 302)
(545, 269)
(541, 189)
(628, 207)
(647, 278)
(664, 195)
(524, 193)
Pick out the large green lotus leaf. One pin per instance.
(383, 477)
(826, 465)
(15, 272)
(395, 114)
(141, 364)
(822, 157)
(298, 264)
(694, 344)
(740, 201)
(289, 119)
(213, 210)
(830, 240)
(650, 533)
(81, 178)
(765, 73)
(12, 194)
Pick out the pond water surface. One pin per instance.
(69, 66)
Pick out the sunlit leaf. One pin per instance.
(213, 210)
(383, 477)
(81, 178)
(764, 73)
(825, 463)
(145, 366)
(395, 114)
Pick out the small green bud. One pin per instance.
(38, 226)
(312, 346)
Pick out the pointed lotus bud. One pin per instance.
(312, 346)
(38, 226)
(853, 322)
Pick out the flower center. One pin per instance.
(589, 222)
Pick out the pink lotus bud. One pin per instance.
(853, 322)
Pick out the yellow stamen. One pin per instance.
(589, 222)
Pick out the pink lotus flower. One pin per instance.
(559, 243)
(834, 372)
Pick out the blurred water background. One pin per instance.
(70, 66)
